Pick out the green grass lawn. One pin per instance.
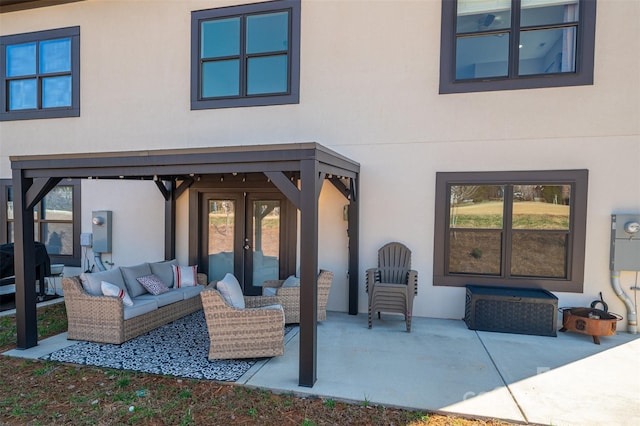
(52, 320)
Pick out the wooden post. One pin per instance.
(308, 272)
(24, 264)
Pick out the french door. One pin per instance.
(247, 235)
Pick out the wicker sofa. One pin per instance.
(106, 319)
(289, 297)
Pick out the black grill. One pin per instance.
(7, 271)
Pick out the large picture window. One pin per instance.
(519, 229)
(516, 44)
(56, 221)
(246, 55)
(40, 74)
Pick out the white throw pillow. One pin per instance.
(113, 290)
(185, 276)
(230, 289)
(291, 281)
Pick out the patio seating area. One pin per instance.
(443, 366)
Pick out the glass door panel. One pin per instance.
(243, 234)
(266, 241)
(221, 237)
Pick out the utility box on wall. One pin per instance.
(101, 224)
(625, 242)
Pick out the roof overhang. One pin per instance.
(15, 5)
(191, 161)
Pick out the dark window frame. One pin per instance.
(231, 186)
(74, 259)
(582, 76)
(578, 179)
(292, 96)
(72, 33)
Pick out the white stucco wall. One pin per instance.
(137, 219)
(369, 90)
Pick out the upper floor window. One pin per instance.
(516, 229)
(516, 44)
(40, 74)
(56, 221)
(246, 55)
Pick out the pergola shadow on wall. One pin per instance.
(173, 172)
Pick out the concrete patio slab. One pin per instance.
(569, 380)
(439, 366)
(45, 347)
(444, 367)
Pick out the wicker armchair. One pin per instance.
(289, 297)
(242, 333)
(393, 284)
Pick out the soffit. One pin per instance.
(14, 5)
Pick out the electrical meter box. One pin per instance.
(625, 242)
(101, 225)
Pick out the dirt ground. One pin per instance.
(39, 392)
(35, 392)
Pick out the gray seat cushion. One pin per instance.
(140, 307)
(163, 299)
(189, 292)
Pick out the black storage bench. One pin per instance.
(511, 310)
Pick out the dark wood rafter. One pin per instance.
(162, 186)
(34, 176)
(320, 182)
(171, 191)
(284, 184)
(184, 185)
(353, 185)
(340, 186)
(39, 189)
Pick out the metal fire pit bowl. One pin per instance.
(591, 321)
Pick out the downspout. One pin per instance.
(632, 315)
(98, 261)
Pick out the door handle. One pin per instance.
(246, 247)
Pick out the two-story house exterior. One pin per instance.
(494, 138)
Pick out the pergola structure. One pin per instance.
(173, 172)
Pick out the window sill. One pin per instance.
(39, 114)
(537, 82)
